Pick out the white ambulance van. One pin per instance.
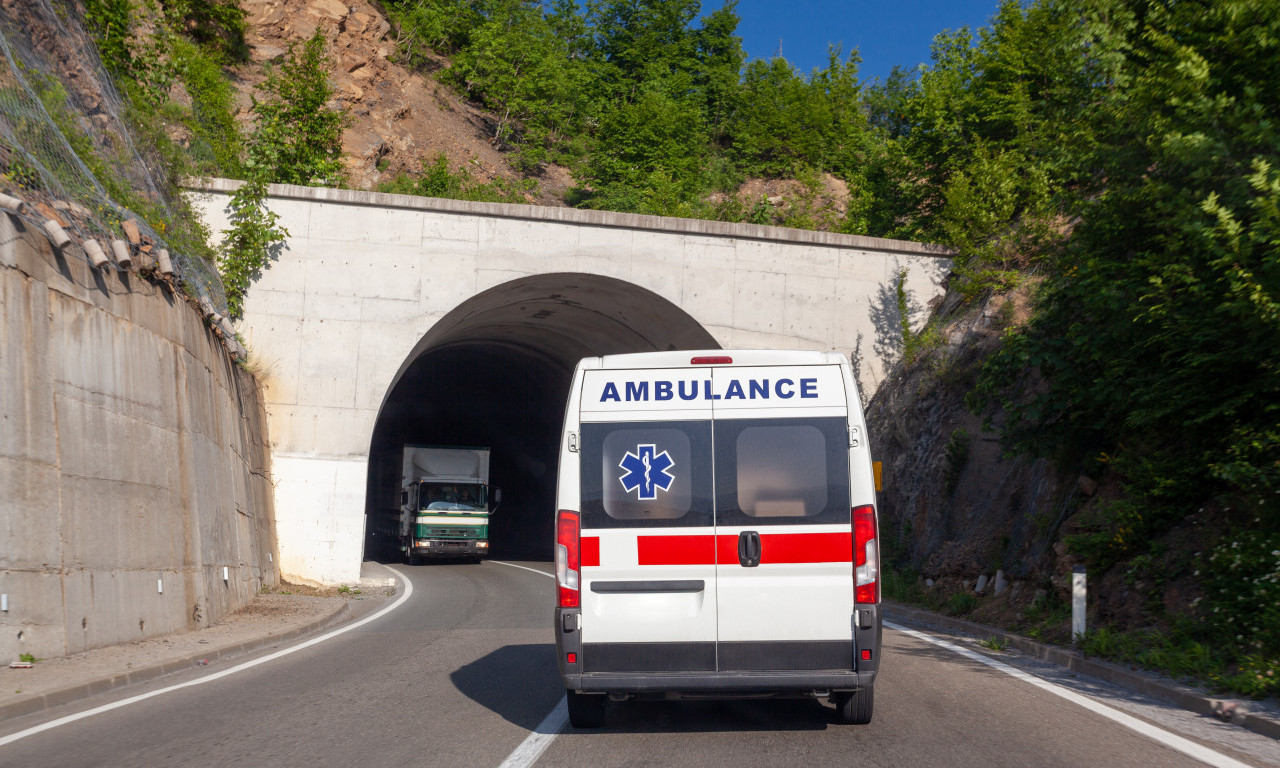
(716, 532)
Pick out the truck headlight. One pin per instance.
(482, 544)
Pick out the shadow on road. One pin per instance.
(519, 682)
(716, 716)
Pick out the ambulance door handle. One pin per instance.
(749, 549)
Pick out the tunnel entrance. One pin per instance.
(495, 372)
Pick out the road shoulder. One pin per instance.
(1258, 717)
(270, 620)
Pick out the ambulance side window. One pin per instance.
(646, 474)
(781, 471)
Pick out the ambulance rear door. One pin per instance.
(784, 579)
(647, 536)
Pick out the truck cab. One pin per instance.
(445, 503)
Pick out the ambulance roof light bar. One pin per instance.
(712, 360)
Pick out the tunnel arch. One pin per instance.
(495, 372)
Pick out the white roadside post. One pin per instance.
(1077, 603)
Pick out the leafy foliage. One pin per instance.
(296, 139)
(217, 26)
(216, 144)
(1242, 584)
(514, 65)
(438, 181)
(249, 243)
(1158, 323)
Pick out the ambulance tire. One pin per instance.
(856, 708)
(586, 710)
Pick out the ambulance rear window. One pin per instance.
(782, 471)
(639, 474)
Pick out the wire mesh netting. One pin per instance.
(68, 153)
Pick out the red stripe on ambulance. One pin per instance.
(802, 547)
(676, 550)
(775, 548)
(590, 551)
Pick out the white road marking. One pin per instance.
(1173, 741)
(524, 568)
(408, 590)
(537, 742)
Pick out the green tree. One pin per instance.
(984, 149)
(718, 75)
(652, 150)
(785, 122)
(297, 137)
(640, 41)
(516, 65)
(426, 25)
(1160, 319)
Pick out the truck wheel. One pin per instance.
(586, 710)
(855, 708)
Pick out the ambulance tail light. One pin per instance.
(866, 556)
(712, 360)
(568, 558)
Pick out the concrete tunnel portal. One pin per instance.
(495, 372)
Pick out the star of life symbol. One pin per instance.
(646, 472)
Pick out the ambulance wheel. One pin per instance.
(856, 708)
(586, 710)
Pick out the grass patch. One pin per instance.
(994, 643)
(962, 603)
(438, 180)
(902, 586)
(1181, 654)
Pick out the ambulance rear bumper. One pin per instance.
(713, 682)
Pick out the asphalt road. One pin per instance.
(463, 672)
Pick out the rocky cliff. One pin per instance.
(957, 516)
(398, 117)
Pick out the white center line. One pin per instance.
(525, 568)
(408, 590)
(537, 742)
(1173, 741)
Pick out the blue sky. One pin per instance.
(886, 32)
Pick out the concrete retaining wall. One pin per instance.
(134, 466)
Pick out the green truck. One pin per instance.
(445, 503)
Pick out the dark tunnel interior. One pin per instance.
(495, 372)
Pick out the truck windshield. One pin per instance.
(457, 497)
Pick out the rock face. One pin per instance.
(953, 507)
(399, 118)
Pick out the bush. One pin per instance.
(1242, 591)
(962, 603)
(437, 180)
(296, 138)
